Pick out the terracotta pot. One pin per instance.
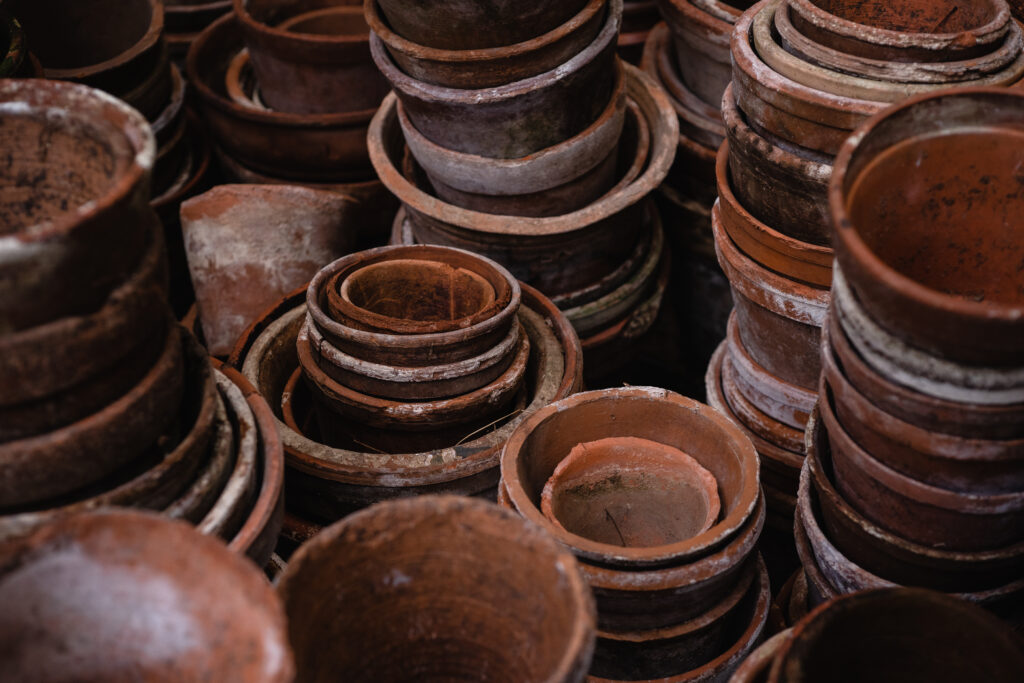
(751, 417)
(779, 319)
(803, 261)
(932, 301)
(923, 636)
(981, 576)
(542, 441)
(311, 56)
(518, 118)
(757, 666)
(279, 236)
(57, 260)
(784, 186)
(536, 249)
(468, 26)
(904, 32)
(310, 147)
(486, 66)
(401, 556)
(701, 42)
(74, 589)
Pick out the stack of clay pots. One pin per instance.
(915, 471)
(896, 634)
(805, 74)
(437, 588)
(557, 147)
(401, 371)
(107, 401)
(658, 497)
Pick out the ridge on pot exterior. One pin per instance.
(912, 634)
(405, 560)
(543, 440)
(74, 589)
(962, 313)
(698, 120)
(311, 56)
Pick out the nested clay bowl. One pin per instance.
(459, 588)
(545, 439)
(110, 595)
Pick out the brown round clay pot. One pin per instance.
(74, 591)
(404, 560)
(310, 147)
(311, 56)
(911, 634)
(518, 118)
(925, 282)
(545, 439)
(91, 158)
(487, 67)
(701, 41)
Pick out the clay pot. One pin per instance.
(752, 417)
(487, 67)
(935, 300)
(791, 257)
(518, 118)
(13, 51)
(757, 666)
(310, 147)
(278, 236)
(311, 56)
(545, 439)
(57, 260)
(981, 576)
(701, 42)
(403, 557)
(913, 635)
(220, 459)
(73, 592)
(904, 32)
(779, 319)
(468, 26)
(185, 18)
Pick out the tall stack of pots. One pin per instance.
(915, 468)
(107, 401)
(557, 147)
(805, 75)
(658, 497)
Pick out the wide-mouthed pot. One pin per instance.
(482, 575)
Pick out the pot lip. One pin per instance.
(64, 100)
(848, 239)
(603, 552)
(695, 14)
(146, 42)
(187, 8)
(424, 52)
(177, 102)
(640, 87)
(214, 34)
(447, 96)
(996, 27)
(303, 41)
(248, 457)
(580, 641)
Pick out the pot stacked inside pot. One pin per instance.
(803, 79)
(403, 373)
(915, 471)
(107, 400)
(525, 139)
(658, 497)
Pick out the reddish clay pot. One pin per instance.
(924, 285)
(979, 576)
(701, 42)
(541, 442)
(311, 56)
(403, 558)
(74, 590)
(310, 147)
(485, 66)
(912, 635)
(518, 118)
(57, 233)
(757, 666)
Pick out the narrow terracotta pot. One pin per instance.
(936, 301)
(701, 42)
(311, 56)
(541, 442)
(487, 66)
(403, 557)
(74, 589)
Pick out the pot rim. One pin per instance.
(663, 70)
(299, 40)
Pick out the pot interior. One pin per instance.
(914, 16)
